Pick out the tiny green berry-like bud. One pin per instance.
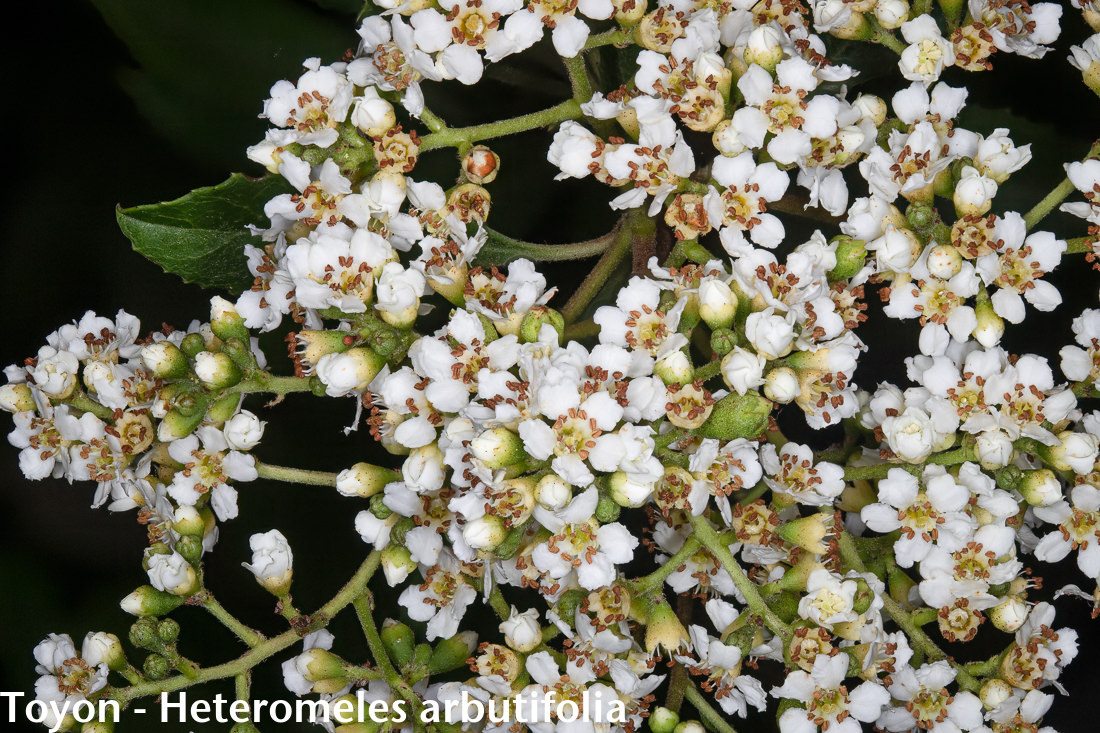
(452, 653)
(534, 321)
(365, 480)
(168, 630)
(16, 398)
(143, 633)
(722, 340)
(190, 548)
(607, 509)
(1040, 487)
(675, 369)
(192, 344)
(317, 665)
(156, 667)
(663, 720)
(225, 322)
(737, 416)
(165, 360)
(480, 164)
(498, 448)
(398, 640)
(148, 601)
(216, 369)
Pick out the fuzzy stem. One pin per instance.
(654, 580)
(634, 226)
(249, 636)
(455, 136)
(264, 382)
(713, 719)
(295, 475)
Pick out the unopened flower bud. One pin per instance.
(165, 360)
(552, 492)
(891, 13)
(717, 303)
(628, 12)
(944, 261)
(498, 448)
(172, 573)
(743, 370)
(851, 255)
(148, 601)
(1040, 487)
(372, 114)
(364, 480)
(990, 326)
(272, 561)
(348, 372)
(689, 726)
(974, 193)
(156, 667)
(1009, 615)
(398, 640)
(726, 140)
(484, 533)
(521, 630)
(663, 720)
(764, 47)
(871, 108)
(397, 563)
(737, 416)
(994, 449)
(626, 491)
(450, 654)
(109, 648)
(216, 369)
(225, 322)
(994, 692)
(16, 398)
(675, 368)
(481, 164)
(1075, 452)
(168, 630)
(312, 345)
(106, 725)
(781, 385)
(318, 665)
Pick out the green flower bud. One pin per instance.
(168, 630)
(225, 322)
(663, 720)
(312, 345)
(485, 532)
(921, 215)
(397, 563)
(607, 509)
(398, 640)
(244, 728)
(1040, 487)
(156, 667)
(165, 360)
(722, 340)
(533, 322)
(452, 653)
(386, 341)
(98, 726)
(421, 654)
(192, 344)
(365, 480)
(663, 629)
(378, 507)
(190, 547)
(785, 605)
(175, 425)
(319, 665)
(808, 532)
(148, 601)
(507, 549)
(216, 369)
(737, 416)
(851, 255)
(899, 584)
(400, 527)
(675, 368)
(143, 633)
(566, 607)
(188, 521)
(498, 448)
(863, 597)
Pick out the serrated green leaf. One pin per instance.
(201, 236)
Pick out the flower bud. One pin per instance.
(891, 13)
(764, 47)
(109, 648)
(663, 720)
(990, 326)
(1040, 487)
(628, 12)
(994, 692)
(871, 108)
(531, 325)
(143, 633)
(98, 726)
(156, 667)
(216, 369)
(944, 261)
(272, 561)
(397, 563)
(628, 492)
(319, 665)
(190, 548)
(348, 372)
(498, 448)
(168, 630)
(994, 449)
(480, 164)
(689, 726)
(175, 425)
(485, 532)
(726, 140)
(372, 114)
(897, 249)
(1075, 452)
(148, 601)
(737, 416)
(974, 193)
(781, 385)
(552, 492)
(312, 345)
(717, 303)
(675, 368)
(450, 654)
(743, 370)
(225, 322)
(364, 480)
(244, 431)
(165, 360)
(521, 630)
(398, 640)
(16, 398)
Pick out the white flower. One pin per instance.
(596, 549)
(244, 431)
(172, 573)
(828, 703)
(926, 704)
(522, 631)
(928, 52)
(791, 470)
(829, 599)
(208, 466)
(272, 561)
(743, 370)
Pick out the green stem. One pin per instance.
(264, 382)
(1055, 197)
(498, 604)
(433, 122)
(884, 37)
(582, 330)
(82, 401)
(632, 227)
(1079, 245)
(251, 637)
(578, 77)
(242, 684)
(364, 610)
(501, 249)
(454, 136)
(262, 651)
(709, 539)
(295, 475)
(711, 718)
(609, 38)
(654, 580)
(708, 370)
(962, 454)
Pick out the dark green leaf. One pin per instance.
(201, 236)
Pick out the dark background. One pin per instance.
(78, 144)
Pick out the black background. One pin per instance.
(77, 145)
